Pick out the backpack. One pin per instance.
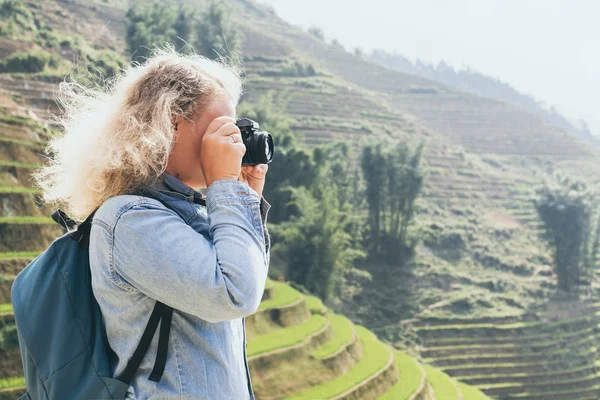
(62, 339)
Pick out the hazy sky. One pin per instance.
(547, 48)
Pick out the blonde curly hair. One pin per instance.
(117, 136)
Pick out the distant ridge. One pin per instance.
(475, 82)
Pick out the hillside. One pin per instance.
(475, 82)
(297, 349)
(481, 276)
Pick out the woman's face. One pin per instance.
(184, 159)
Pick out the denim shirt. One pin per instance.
(211, 268)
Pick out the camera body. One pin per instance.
(259, 144)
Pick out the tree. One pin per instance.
(149, 25)
(393, 181)
(184, 25)
(292, 164)
(317, 32)
(568, 211)
(216, 34)
(316, 244)
(211, 34)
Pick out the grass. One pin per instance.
(20, 142)
(19, 254)
(507, 327)
(376, 355)
(537, 385)
(529, 374)
(471, 393)
(501, 365)
(444, 387)
(284, 295)
(268, 284)
(6, 308)
(343, 331)
(410, 378)
(12, 382)
(17, 164)
(285, 337)
(516, 353)
(572, 392)
(17, 189)
(26, 220)
(520, 338)
(513, 346)
(315, 305)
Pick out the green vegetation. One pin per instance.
(6, 308)
(394, 180)
(411, 376)
(19, 254)
(25, 143)
(376, 357)
(286, 337)
(376, 240)
(317, 32)
(471, 393)
(343, 333)
(216, 33)
(284, 295)
(17, 164)
(569, 211)
(32, 62)
(318, 262)
(309, 192)
(26, 24)
(17, 189)
(445, 388)
(12, 382)
(291, 68)
(314, 304)
(26, 220)
(211, 31)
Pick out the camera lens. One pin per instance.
(259, 149)
(269, 148)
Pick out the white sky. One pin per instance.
(547, 48)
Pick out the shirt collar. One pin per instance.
(169, 182)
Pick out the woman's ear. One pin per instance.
(175, 121)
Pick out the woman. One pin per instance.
(168, 126)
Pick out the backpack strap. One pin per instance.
(160, 312)
(163, 344)
(82, 234)
(61, 218)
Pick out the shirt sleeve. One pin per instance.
(157, 253)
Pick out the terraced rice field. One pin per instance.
(478, 152)
(296, 347)
(549, 354)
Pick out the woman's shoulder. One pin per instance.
(109, 213)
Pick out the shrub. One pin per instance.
(31, 61)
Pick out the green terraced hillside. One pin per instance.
(548, 354)
(483, 159)
(297, 349)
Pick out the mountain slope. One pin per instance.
(480, 258)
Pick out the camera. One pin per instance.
(259, 145)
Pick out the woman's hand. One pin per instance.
(254, 176)
(222, 151)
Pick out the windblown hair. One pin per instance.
(117, 136)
